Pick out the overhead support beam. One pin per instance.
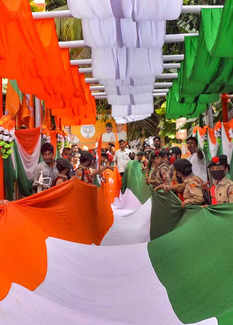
(165, 66)
(159, 77)
(105, 97)
(163, 84)
(155, 91)
(196, 9)
(157, 86)
(179, 57)
(169, 38)
(67, 13)
(81, 62)
(166, 58)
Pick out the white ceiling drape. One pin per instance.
(126, 37)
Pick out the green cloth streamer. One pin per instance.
(134, 179)
(9, 178)
(166, 213)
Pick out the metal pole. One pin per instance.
(166, 58)
(169, 38)
(67, 13)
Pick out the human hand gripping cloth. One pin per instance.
(127, 38)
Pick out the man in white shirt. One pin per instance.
(197, 159)
(108, 136)
(121, 158)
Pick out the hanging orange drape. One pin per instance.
(30, 54)
(28, 139)
(1, 160)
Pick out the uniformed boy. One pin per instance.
(222, 189)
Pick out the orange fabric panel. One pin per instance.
(28, 138)
(12, 100)
(1, 160)
(61, 212)
(66, 212)
(22, 249)
(30, 54)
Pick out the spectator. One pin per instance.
(161, 174)
(222, 189)
(157, 143)
(85, 171)
(108, 136)
(63, 167)
(67, 154)
(75, 148)
(122, 157)
(197, 159)
(75, 161)
(46, 171)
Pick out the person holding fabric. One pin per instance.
(46, 171)
(121, 158)
(85, 171)
(197, 159)
(222, 189)
(63, 167)
(108, 136)
(192, 185)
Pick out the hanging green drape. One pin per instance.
(9, 178)
(207, 69)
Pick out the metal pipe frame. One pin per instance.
(154, 95)
(169, 38)
(166, 58)
(162, 76)
(155, 91)
(158, 86)
(165, 66)
(67, 13)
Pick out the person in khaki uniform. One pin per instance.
(222, 189)
(187, 184)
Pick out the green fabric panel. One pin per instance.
(9, 178)
(134, 179)
(175, 109)
(166, 213)
(14, 84)
(194, 262)
(25, 186)
(218, 35)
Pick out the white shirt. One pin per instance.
(108, 137)
(121, 159)
(198, 166)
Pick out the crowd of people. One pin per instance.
(191, 179)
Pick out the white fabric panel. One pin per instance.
(144, 63)
(119, 100)
(29, 161)
(130, 226)
(213, 148)
(119, 111)
(114, 284)
(151, 33)
(129, 33)
(126, 201)
(159, 9)
(103, 63)
(227, 145)
(143, 99)
(142, 109)
(90, 8)
(100, 33)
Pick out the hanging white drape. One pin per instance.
(126, 37)
(227, 144)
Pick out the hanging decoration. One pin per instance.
(126, 40)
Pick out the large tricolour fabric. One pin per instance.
(126, 38)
